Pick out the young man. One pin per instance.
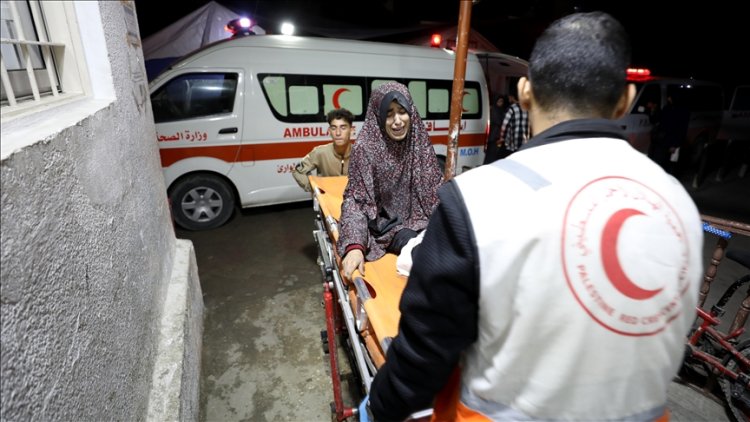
(329, 159)
(514, 132)
(572, 300)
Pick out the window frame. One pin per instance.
(65, 63)
(366, 84)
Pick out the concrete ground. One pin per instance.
(262, 356)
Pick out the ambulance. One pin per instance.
(233, 119)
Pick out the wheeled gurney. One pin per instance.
(364, 311)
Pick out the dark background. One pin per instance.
(709, 40)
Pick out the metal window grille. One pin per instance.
(27, 64)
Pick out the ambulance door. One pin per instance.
(638, 123)
(198, 115)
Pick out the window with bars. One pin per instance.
(43, 60)
(29, 71)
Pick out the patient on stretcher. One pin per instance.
(393, 181)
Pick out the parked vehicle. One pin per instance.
(735, 131)
(234, 118)
(703, 99)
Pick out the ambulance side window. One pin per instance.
(438, 100)
(471, 101)
(303, 100)
(348, 96)
(418, 90)
(298, 98)
(649, 94)
(194, 95)
(275, 89)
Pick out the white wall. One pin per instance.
(88, 250)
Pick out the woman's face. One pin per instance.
(397, 122)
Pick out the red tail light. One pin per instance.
(436, 40)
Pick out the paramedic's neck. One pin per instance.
(539, 120)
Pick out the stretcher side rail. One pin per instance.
(350, 321)
(368, 338)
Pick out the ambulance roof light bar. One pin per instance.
(240, 26)
(637, 74)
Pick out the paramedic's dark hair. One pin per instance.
(579, 64)
(340, 113)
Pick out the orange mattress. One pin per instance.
(385, 285)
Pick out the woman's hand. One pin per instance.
(354, 260)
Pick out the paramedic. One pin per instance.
(573, 300)
(330, 159)
(393, 180)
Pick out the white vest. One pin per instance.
(590, 267)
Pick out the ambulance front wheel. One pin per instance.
(201, 202)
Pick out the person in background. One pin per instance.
(572, 300)
(514, 131)
(330, 159)
(497, 114)
(674, 122)
(393, 180)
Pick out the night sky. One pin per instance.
(706, 42)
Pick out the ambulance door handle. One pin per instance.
(228, 130)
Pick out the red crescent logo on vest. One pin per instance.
(610, 259)
(336, 96)
(625, 256)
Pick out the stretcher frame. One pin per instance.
(347, 303)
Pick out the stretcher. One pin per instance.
(364, 311)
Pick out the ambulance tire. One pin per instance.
(201, 202)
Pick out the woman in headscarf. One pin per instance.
(393, 180)
(497, 114)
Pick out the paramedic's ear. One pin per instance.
(524, 93)
(623, 105)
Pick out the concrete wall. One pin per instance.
(91, 271)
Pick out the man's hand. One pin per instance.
(354, 260)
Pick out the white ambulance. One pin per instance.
(234, 118)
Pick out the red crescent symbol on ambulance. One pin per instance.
(336, 96)
(611, 263)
